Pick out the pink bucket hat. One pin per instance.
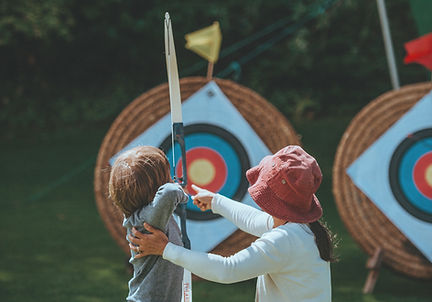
(284, 185)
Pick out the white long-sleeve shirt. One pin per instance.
(285, 259)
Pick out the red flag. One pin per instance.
(420, 51)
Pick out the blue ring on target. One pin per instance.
(228, 147)
(401, 174)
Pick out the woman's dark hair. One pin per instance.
(324, 240)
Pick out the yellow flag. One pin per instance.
(206, 42)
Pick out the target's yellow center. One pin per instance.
(428, 175)
(201, 172)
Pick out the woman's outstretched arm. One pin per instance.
(263, 256)
(246, 218)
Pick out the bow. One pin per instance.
(176, 119)
(177, 136)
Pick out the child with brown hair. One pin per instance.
(140, 186)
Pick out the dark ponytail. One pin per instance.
(324, 240)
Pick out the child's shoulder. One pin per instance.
(170, 186)
(158, 211)
(171, 191)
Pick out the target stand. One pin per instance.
(217, 154)
(382, 181)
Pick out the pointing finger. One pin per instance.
(196, 188)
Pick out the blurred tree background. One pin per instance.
(68, 63)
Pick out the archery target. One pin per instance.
(394, 173)
(381, 165)
(215, 161)
(410, 174)
(258, 127)
(211, 122)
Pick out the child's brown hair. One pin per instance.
(136, 176)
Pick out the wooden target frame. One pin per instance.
(370, 228)
(150, 107)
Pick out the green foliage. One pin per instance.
(73, 62)
(23, 21)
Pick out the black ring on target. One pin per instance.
(395, 170)
(236, 148)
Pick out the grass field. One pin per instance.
(54, 246)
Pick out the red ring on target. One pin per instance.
(205, 168)
(422, 175)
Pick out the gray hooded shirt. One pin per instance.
(156, 279)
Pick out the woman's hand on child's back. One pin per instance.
(203, 198)
(148, 244)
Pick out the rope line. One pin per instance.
(318, 9)
(236, 65)
(238, 45)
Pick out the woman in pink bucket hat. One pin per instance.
(292, 255)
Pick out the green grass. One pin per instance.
(54, 246)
